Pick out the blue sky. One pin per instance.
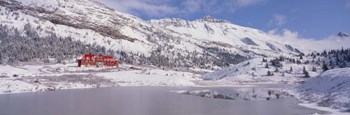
(310, 19)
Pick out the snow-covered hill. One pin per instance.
(343, 34)
(257, 71)
(216, 31)
(330, 89)
(204, 43)
(317, 85)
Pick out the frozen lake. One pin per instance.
(140, 101)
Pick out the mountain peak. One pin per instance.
(343, 34)
(209, 18)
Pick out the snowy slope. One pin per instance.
(330, 89)
(255, 70)
(84, 20)
(218, 31)
(248, 71)
(94, 23)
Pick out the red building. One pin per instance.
(91, 60)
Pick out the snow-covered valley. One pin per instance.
(41, 40)
(59, 77)
(29, 77)
(329, 89)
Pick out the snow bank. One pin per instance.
(14, 86)
(330, 89)
(7, 70)
(251, 94)
(49, 77)
(151, 78)
(234, 70)
(254, 71)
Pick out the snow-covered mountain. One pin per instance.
(343, 34)
(172, 41)
(225, 33)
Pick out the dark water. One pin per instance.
(139, 101)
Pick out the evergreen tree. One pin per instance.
(306, 74)
(0, 58)
(298, 62)
(324, 53)
(281, 58)
(314, 69)
(18, 48)
(254, 68)
(267, 65)
(264, 60)
(269, 73)
(324, 66)
(276, 63)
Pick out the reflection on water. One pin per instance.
(140, 101)
(229, 93)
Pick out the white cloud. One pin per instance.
(309, 44)
(192, 5)
(153, 8)
(244, 3)
(279, 19)
(163, 8)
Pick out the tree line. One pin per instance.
(23, 46)
(16, 47)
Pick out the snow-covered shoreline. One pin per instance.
(34, 78)
(330, 89)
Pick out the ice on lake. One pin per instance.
(140, 101)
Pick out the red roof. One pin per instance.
(108, 57)
(91, 60)
(92, 55)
